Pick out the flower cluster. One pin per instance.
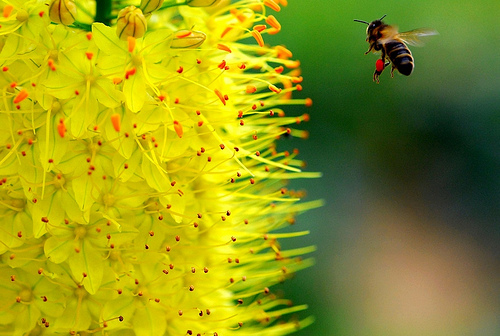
(140, 182)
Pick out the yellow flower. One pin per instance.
(140, 180)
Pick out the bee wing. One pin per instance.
(412, 37)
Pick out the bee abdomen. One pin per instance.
(400, 56)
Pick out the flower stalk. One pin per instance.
(141, 181)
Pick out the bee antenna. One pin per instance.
(382, 17)
(362, 21)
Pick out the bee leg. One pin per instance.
(392, 71)
(379, 67)
(370, 49)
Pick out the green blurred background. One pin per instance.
(408, 241)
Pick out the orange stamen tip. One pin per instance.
(258, 37)
(279, 69)
(130, 72)
(89, 55)
(227, 30)
(273, 22)
(273, 5)
(260, 27)
(7, 10)
(61, 128)
(292, 64)
(116, 121)
(117, 80)
(298, 87)
(222, 65)
(308, 102)
(223, 47)
(274, 88)
(13, 84)
(283, 53)
(178, 128)
(131, 43)
(251, 89)
(273, 31)
(180, 70)
(22, 95)
(89, 36)
(221, 96)
(297, 80)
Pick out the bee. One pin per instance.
(392, 44)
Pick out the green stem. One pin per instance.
(103, 11)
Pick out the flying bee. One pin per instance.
(392, 44)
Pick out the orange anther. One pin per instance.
(130, 72)
(116, 121)
(273, 5)
(178, 128)
(251, 89)
(22, 95)
(61, 128)
(117, 80)
(283, 52)
(258, 37)
(227, 30)
(223, 47)
(292, 64)
(279, 69)
(221, 97)
(271, 20)
(89, 36)
(7, 10)
(222, 65)
(131, 43)
(89, 55)
(308, 102)
(260, 27)
(238, 14)
(274, 88)
(13, 84)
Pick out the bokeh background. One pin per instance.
(409, 239)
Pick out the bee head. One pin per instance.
(372, 25)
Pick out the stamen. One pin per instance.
(258, 37)
(273, 5)
(22, 95)
(223, 47)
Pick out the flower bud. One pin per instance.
(149, 6)
(62, 11)
(131, 22)
(201, 3)
(188, 39)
